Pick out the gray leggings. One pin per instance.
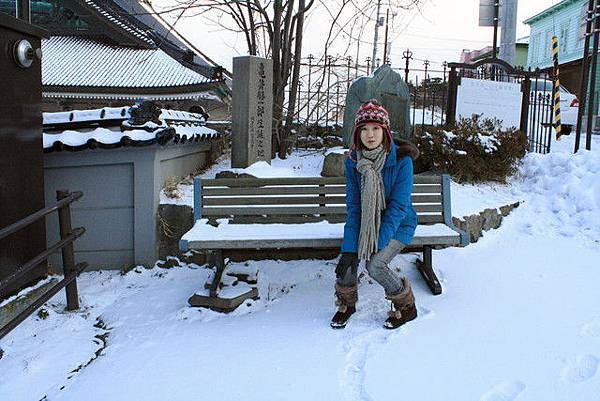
(379, 270)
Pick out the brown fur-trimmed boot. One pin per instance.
(403, 307)
(346, 298)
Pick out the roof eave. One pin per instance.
(549, 11)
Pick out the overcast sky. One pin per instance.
(438, 32)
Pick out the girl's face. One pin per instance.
(371, 135)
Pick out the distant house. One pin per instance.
(111, 53)
(566, 21)
(472, 56)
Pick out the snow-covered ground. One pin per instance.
(519, 318)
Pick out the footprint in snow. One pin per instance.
(591, 329)
(506, 391)
(580, 369)
(424, 313)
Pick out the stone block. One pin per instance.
(173, 221)
(334, 165)
(252, 111)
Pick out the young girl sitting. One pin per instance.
(380, 218)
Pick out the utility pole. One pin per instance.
(508, 34)
(496, 13)
(376, 32)
(584, 73)
(385, 46)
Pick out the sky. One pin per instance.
(437, 32)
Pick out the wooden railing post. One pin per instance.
(64, 222)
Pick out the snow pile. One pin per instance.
(568, 187)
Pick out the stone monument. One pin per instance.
(252, 110)
(388, 87)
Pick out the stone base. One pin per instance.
(488, 219)
(220, 303)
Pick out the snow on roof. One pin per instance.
(76, 61)
(116, 113)
(110, 138)
(106, 113)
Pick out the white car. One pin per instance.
(569, 104)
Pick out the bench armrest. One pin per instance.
(464, 237)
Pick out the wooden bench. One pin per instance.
(303, 212)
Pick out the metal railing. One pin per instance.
(67, 236)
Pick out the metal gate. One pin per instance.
(536, 119)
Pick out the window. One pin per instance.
(582, 23)
(563, 38)
(8, 7)
(54, 14)
(532, 53)
(548, 45)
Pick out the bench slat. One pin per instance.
(427, 188)
(273, 191)
(224, 191)
(307, 243)
(329, 201)
(255, 182)
(258, 182)
(250, 211)
(209, 193)
(430, 218)
(427, 179)
(287, 219)
(295, 200)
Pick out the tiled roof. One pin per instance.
(76, 61)
(118, 18)
(108, 128)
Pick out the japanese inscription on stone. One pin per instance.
(252, 110)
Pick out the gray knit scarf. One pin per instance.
(372, 199)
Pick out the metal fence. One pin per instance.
(536, 118)
(324, 85)
(71, 270)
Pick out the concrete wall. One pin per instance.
(121, 196)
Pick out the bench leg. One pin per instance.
(219, 263)
(425, 267)
(213, 301)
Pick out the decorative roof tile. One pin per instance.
(111, 127)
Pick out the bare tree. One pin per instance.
(274, 29)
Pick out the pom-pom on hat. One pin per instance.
(370, 112)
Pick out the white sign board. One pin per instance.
(490, 99)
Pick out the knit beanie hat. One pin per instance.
(371, 112)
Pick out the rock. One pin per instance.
(231, 174)
(485, 220)
(333, 166)
(173, 221)
(490, 218)
(388, 87)
(505, 210)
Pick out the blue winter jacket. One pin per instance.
(399, 219)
